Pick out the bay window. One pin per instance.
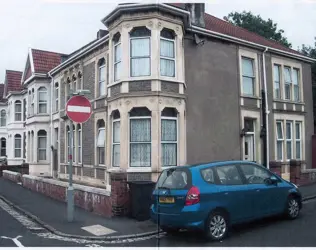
(277, 81)
(32, 102)
(296, 86)
(298, 140)
(167, 53)
(3, 118)
(248, 76)
(116, 139)
(101, 142)
(287, 83)
(17, 146)
(140, 137)
(56, 96)
(117, 56)
(42, 145)
(169, 137)
(42, 100)
(140, 52)
(279, 140)
(101, 77)
(289, 140)
(18, 110)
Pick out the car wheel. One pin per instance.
(169, 230)
(292, 208)
(217, 226)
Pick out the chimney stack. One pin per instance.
(197, 11)
(101, 33)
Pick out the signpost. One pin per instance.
(79, 110)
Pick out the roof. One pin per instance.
(218, 25)
(44, 61)
(1, 92)
(13, 81)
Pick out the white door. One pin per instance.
(249, 149)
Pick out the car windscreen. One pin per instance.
(174, 179)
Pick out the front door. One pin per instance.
(249, 148)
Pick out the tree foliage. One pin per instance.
(256, 24)
(310, 51)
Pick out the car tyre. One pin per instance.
(292, 208)
(217, 225)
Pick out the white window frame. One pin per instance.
(277, 81)
(79, 143)
(3, 117)
(32, 101)
(139, 57)
(130, 142)
(103, 92)
(278, 139)
(115, 143)
(15, 148)
(41, 102)
(289, 139)
(253, 77)
(171, 142)
(57, 97)
(296, 86)
(98, 147)
(3, 148)
(168, 58)
(288, 83)
(298, 139)
(117, 63)
(17, 103)
(41, 149)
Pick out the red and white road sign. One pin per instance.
(78, 109)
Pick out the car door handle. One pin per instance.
(226, 193)
(258, 190)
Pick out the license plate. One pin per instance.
(166, 199)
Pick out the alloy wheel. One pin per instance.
(218, 226)
(293, 208)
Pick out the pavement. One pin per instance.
(52, 215)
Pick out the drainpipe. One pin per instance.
(266, 110)
(51, 122)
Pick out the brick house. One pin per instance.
(170, 85)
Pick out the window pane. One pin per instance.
(248, 85)
(18, 107)
(42, 154)
(208, 175)
(79, 138)
(42, 96)
(247, 67)
(168, 130)
(298, 150)
(17, 143)
(166, 48)
(276, 73)
(101, 138)
(116, 155)
(297, 131)
(296, 93)
(102, 88)
(17, 153)
(117, 70)
(167, 67)
(101, 74)
(116, 132)
(140, 47)
(140, 67)
(288, 130)
(42, 142)
(254, 174)
(229, 175)
(18, 117)
(118, 53)
(101, 153)
(140, 155)
(140, 130)
(42, 108)
(295, 77)
(279, 150)
(279, 131)
(287, 90)
(289, 150)
(169, 154)
(287, 74)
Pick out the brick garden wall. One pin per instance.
(12, 176)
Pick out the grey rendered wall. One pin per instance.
(213, 115)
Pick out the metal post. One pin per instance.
(70, 190)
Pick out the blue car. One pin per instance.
(213, 196)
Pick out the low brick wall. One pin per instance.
(307, 177)
(12, 176)
(95, 200)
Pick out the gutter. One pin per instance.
(51, 120)
(241, 41)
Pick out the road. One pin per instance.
(274, 232)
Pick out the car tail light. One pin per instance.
(193, 196)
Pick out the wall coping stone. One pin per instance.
(11, 172)
(308, 170)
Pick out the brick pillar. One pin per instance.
(295, 171)
(276, 167)
(119, 194)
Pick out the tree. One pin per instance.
(256, 24)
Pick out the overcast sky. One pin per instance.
(66, 25)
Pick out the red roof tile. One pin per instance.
(44, 61)
(1, 92)
(215, 24)
(13, 81)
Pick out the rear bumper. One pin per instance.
(190, 219)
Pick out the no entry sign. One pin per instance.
(78, 109)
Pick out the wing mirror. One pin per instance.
(272, 180)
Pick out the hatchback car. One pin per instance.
(213, 196)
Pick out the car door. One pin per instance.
(233, 193)
(265, 197)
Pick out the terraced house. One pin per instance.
(170, 85)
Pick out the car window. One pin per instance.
(174, 179)
(254, 174)
(229, 175)
(208, 175)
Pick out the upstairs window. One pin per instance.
(287, 83)
(3, 118)
(32, 101)
(248, 76)
(56, 96)
(18, 110)
(140, 52)
(277, 81)
(42, 100)
(296, 85)
(101, 77)
(167, 53)
(117, 56)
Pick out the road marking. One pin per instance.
(15, 240)
(98, 230)
(80, 109)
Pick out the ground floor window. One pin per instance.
(17, 146)
(3, 145)
(42, 145)
(116, 128)
(101, 142)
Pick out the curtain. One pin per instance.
(168, 130)
(42, 144)
(116, 132)
(140, 130)
(141, 66)
(167, 48)
(169, 134)
(140, 54)
(17, 146)
(169, 154)
(140, 155)
(167, 67)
